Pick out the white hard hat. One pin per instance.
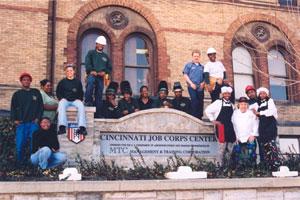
(210, 50)
(101, 40)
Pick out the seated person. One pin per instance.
(179, 102)
(162, 101)
(45, 147)
(69, 93)
(144, 101)
(50, 103)
(110, 108)
(246, 129)
(127, 104)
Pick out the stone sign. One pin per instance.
(149, 144)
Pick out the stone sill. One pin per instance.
(145, 185)
(87, 109)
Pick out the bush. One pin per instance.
(10, 170)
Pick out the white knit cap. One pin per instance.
(262, 89)
(226, 89)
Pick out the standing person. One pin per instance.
(97, 64)
(193, 75)
(145, 102)
(253, 106)
(26, 110)
(45, 147)
(246, 130)
(267, 113)
(179, 102)
(162, 101)
(50, 104)
(220, 113)
(252, 98)
(215, 74)
(69, 93)
(110, 108)
(127, 105)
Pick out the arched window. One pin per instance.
(242, 70)
(88, 43)
(278, 75)
(138, 61)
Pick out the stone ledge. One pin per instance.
(145, 185)
(156, 120)
(155, 110)
(87, 109)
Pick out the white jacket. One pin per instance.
(213, 110)
(244, 124)
(271, 111)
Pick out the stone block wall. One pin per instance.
(25, 34)
(210, 189)
(86, 148)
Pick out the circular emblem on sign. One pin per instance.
(260, 32)
(182, 104)
(117, 20)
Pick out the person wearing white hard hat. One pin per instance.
(97, 64)
(267, 113)
(214, 73)
(220, 113)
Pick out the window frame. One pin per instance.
(150, 78)
(283, 52)
(254, 61)
(82, 36)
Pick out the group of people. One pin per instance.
(34, 114)
(236, 129)
(239, 130)
(129, 104)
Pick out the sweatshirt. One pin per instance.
(69, 89)
(26, 105)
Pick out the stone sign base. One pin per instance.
(157, 133)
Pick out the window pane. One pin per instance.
(240, 83)
(278, 88)
(276, 63)
(88, 43)
(287, 2)
(82, 75)
(289, 145)
(137, 78)
(242, 62)
(136, 52)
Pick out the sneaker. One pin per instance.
(62, 130)
(82, 131)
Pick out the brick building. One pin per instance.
(148, 41)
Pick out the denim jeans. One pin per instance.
(62, 115)
(24, 131)
(196, 102)
(98, 82)
(215, 94)
(47, 159)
